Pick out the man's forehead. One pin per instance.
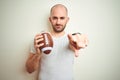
(59, 9)
(58, 16)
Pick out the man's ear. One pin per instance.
(50, 19)
(68, 19)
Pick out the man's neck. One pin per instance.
(57, 34)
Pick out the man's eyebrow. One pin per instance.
(62, 17)
(54, 17)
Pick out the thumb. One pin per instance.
(70, 37)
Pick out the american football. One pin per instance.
(48, 43)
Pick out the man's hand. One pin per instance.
(77, 42)
(38, 38)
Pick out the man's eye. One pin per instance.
(62, 18)
(54, 17)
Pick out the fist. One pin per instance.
(77, 41)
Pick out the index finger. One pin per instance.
(38, 36)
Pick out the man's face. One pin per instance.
(58, 19)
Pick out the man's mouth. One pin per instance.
(58, 25)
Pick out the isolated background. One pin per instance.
(20, 20)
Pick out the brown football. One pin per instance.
(48, 43)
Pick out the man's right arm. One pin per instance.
(33, 62)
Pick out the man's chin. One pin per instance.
(58, 31)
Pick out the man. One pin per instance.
(58, 65)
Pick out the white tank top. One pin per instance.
(58, 65)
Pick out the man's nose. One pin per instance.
(58, 21)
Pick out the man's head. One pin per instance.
(58, 17)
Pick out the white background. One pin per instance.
(20, 20)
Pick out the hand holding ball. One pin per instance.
(48, 43)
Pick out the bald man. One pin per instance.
(58, 65)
